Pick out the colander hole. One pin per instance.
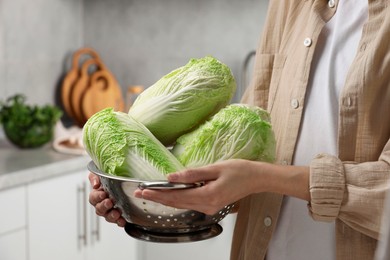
(145, 210)
(220, 212)
(171, 215)
(183, 215)
(155, 222)
(159, 217)
(168, 220)
(192, 214)
(175, 219)
(148, 216)
(144, 202)
(163, 225)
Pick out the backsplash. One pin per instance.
(139, 40)
(143, 40)
(35, 36)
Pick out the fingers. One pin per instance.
(103, 205)
(194, 175)
(105, 208)
(96, 196)
(94, 180)
(182, 199)
(115, 217)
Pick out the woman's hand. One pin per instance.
(229, 181)
(103, 205)
(224, 183)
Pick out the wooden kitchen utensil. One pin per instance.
(72, 76)
(103, 92)
(80, 87)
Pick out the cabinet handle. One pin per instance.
(95, 225)
(95, 231)
(82, 216)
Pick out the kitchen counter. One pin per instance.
(23, 166)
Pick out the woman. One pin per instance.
(323, 72)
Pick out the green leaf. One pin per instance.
(236, 132)
(184, 98)
(120, 145)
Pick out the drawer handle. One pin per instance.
(82, 216)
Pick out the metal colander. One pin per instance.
(156, 222)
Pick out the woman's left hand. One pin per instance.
(228, 181)
(224, 183)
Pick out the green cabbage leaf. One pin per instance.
(184, 98)
(120, 145)
(237, 131)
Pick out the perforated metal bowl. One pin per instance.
(153, 221)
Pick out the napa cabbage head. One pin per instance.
(184, 98)
(236, 132)
(120, 145)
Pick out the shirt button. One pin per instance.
(267, 221)
(294, 103)
(331, 3)
(307, 42)
(349, 102)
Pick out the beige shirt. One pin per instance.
(348, 189)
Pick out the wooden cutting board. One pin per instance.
(72, 77)
(88, 69)
(89, 86)
(103, 92)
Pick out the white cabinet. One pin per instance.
(13, 224)
(13, 203)
(63, 225)
(52, 219)
(108, 241)
(13, 246)
(55, 224)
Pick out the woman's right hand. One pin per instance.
(103, 204)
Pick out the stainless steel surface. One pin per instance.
(154, 217)
(95, 227)
(141, 234)
(82, 215)
(164, 185)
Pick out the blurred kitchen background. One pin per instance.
(139, 41)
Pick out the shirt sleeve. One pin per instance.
(353, 192)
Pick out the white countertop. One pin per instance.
(23, 166)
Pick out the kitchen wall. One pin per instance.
(139, 40)
(143, 40)
(35, 37)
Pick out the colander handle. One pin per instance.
(164, 185)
